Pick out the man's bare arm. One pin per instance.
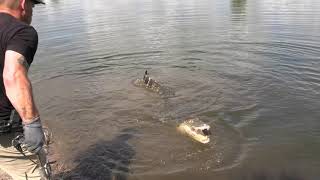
(18, 86)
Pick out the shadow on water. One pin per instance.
(106, 160)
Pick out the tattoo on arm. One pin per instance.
(23, 62)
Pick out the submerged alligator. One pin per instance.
(194, 128)
(148, 83)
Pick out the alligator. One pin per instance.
(196, 129)
(148, 82)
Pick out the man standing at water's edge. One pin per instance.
(18, 112)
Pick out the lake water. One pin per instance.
(250, 69)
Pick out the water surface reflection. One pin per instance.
(252, 66)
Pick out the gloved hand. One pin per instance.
(33, 136)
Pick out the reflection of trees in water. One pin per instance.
(239, 7)
(107, 160)
(55, 1)
(238, 18)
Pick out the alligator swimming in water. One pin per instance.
(151, 84)
(148, 83)
(194, 128)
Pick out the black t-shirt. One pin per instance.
(21, 38)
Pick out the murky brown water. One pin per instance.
(250, 69)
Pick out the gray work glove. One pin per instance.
(33, 136)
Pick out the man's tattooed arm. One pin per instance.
(21, 60)
(18, 86)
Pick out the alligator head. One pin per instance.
(196, 129)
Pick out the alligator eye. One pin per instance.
(206, 132)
